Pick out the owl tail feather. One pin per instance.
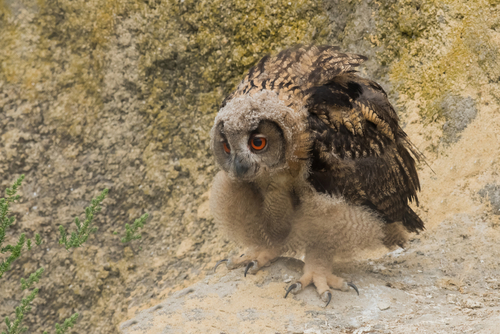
(412, 221)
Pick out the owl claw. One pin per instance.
(354, 287)
(327, 297)
(219, 262)
(294, 288)
(251, 264)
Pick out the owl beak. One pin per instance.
(240, 167)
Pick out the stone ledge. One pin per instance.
(227, 302)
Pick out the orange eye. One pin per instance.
(226, 147)
(258, 142)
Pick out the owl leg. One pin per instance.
(254, 259)
(319, 273)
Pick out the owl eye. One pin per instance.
(258, 142)
(226, 147)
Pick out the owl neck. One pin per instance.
(278, 206)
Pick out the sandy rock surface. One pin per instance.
(430, 287)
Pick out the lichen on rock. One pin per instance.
(435, 49)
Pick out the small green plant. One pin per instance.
(68, 323)
(34, 278)
(76, 240)
(15, 327)
(131, 230)
(25, 307)
(84, 230)
(6, 222)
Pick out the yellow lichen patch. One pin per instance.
(440, 48)
(63, 43)
(4, 11)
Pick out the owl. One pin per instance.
(313, 164)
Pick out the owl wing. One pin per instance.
(359, 150)
(293, 71)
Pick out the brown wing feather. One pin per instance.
(360, 151)
(295, 70)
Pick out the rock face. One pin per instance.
(458, 112)
(122, 94)
(492, 192)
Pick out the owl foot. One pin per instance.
(219, 262)
(254, 260)
(327, 297)
(323, 283)
(253, 267)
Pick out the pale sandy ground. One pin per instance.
(446, 282)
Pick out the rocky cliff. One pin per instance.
(122, 94)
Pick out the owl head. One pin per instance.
(262, 127)
(258, 135)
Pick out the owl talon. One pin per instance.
(354, 287)
(327, 297)
(252, 265)
(219, 262)
(294, 288)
